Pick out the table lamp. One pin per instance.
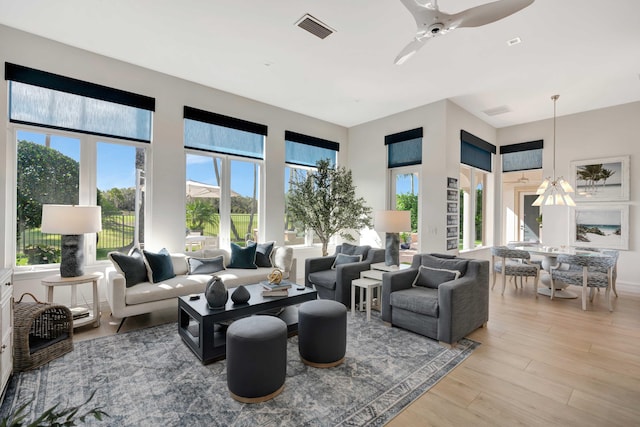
(72, 222)
(392, 223)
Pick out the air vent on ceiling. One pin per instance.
(315, 26)
(497, 110)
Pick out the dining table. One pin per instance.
(550, 256)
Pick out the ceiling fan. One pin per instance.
(433, 23)
(522, 180)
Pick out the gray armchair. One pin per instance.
(335, 283)
(424, 298)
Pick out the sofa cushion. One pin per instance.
(349, 249)
(458, 264)
(417, 300)
(432, 277)
(159, 265)
(205, 265)
(263, 253)
(180, 265)
(132, 266)
(170, 288)
(324, 278)
(243, 257)
(282, 258)
(345, 259)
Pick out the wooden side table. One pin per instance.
(94, 315)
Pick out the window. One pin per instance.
(59, 168)
(404, 157)
(302, 153)
(76, 142)
(476, 162)
(223, 165)
(120, 191)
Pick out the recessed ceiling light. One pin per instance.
(514, 41)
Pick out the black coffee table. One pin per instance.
(204, 330)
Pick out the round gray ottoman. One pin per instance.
(322, 333)
(256, 358)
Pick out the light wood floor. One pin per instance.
(541, 363)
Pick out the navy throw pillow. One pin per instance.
(243, 257)
(263, 253)
(205, 265)
(131, 266)
(159, 265)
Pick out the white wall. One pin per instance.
(441, 123)
(594, 134)
(166, 214)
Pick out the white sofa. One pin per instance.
(147, 297)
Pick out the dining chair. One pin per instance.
(611, 252)
(515, 263)
(588, 271)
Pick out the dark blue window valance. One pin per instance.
(49, 100)
(475, 151)
(522, 156)
(213, 132)
(404, 148)
(306, 150)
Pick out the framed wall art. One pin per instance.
(600, 180)
(600, 226)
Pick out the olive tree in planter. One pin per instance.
(325, 201)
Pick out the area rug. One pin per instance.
(148, 377)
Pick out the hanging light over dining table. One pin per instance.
(554, 191)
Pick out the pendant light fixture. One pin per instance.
(554, 191)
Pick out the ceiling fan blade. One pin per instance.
(488, 13)
(421, 12)
(409, 50)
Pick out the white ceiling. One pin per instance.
(588, 51)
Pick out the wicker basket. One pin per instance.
(41, 333)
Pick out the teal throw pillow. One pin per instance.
(345, 259)
(131, 266)
(159, 265)
(205, 265)
(243, 257)
(263, 253)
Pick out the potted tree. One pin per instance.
(325, 201)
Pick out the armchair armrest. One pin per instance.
(345, 274)
(312, 265)
(391, 282)
(464, 303)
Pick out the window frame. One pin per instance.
(224, 235)
(87, 186)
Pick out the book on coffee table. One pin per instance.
(276, 293)
(284, 285)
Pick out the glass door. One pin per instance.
(404, 197)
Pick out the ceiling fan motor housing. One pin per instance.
(436, 28)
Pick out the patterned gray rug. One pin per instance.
(149, 377)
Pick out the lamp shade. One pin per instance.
(392, 221)
(71, 219)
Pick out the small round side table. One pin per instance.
(94, 315)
